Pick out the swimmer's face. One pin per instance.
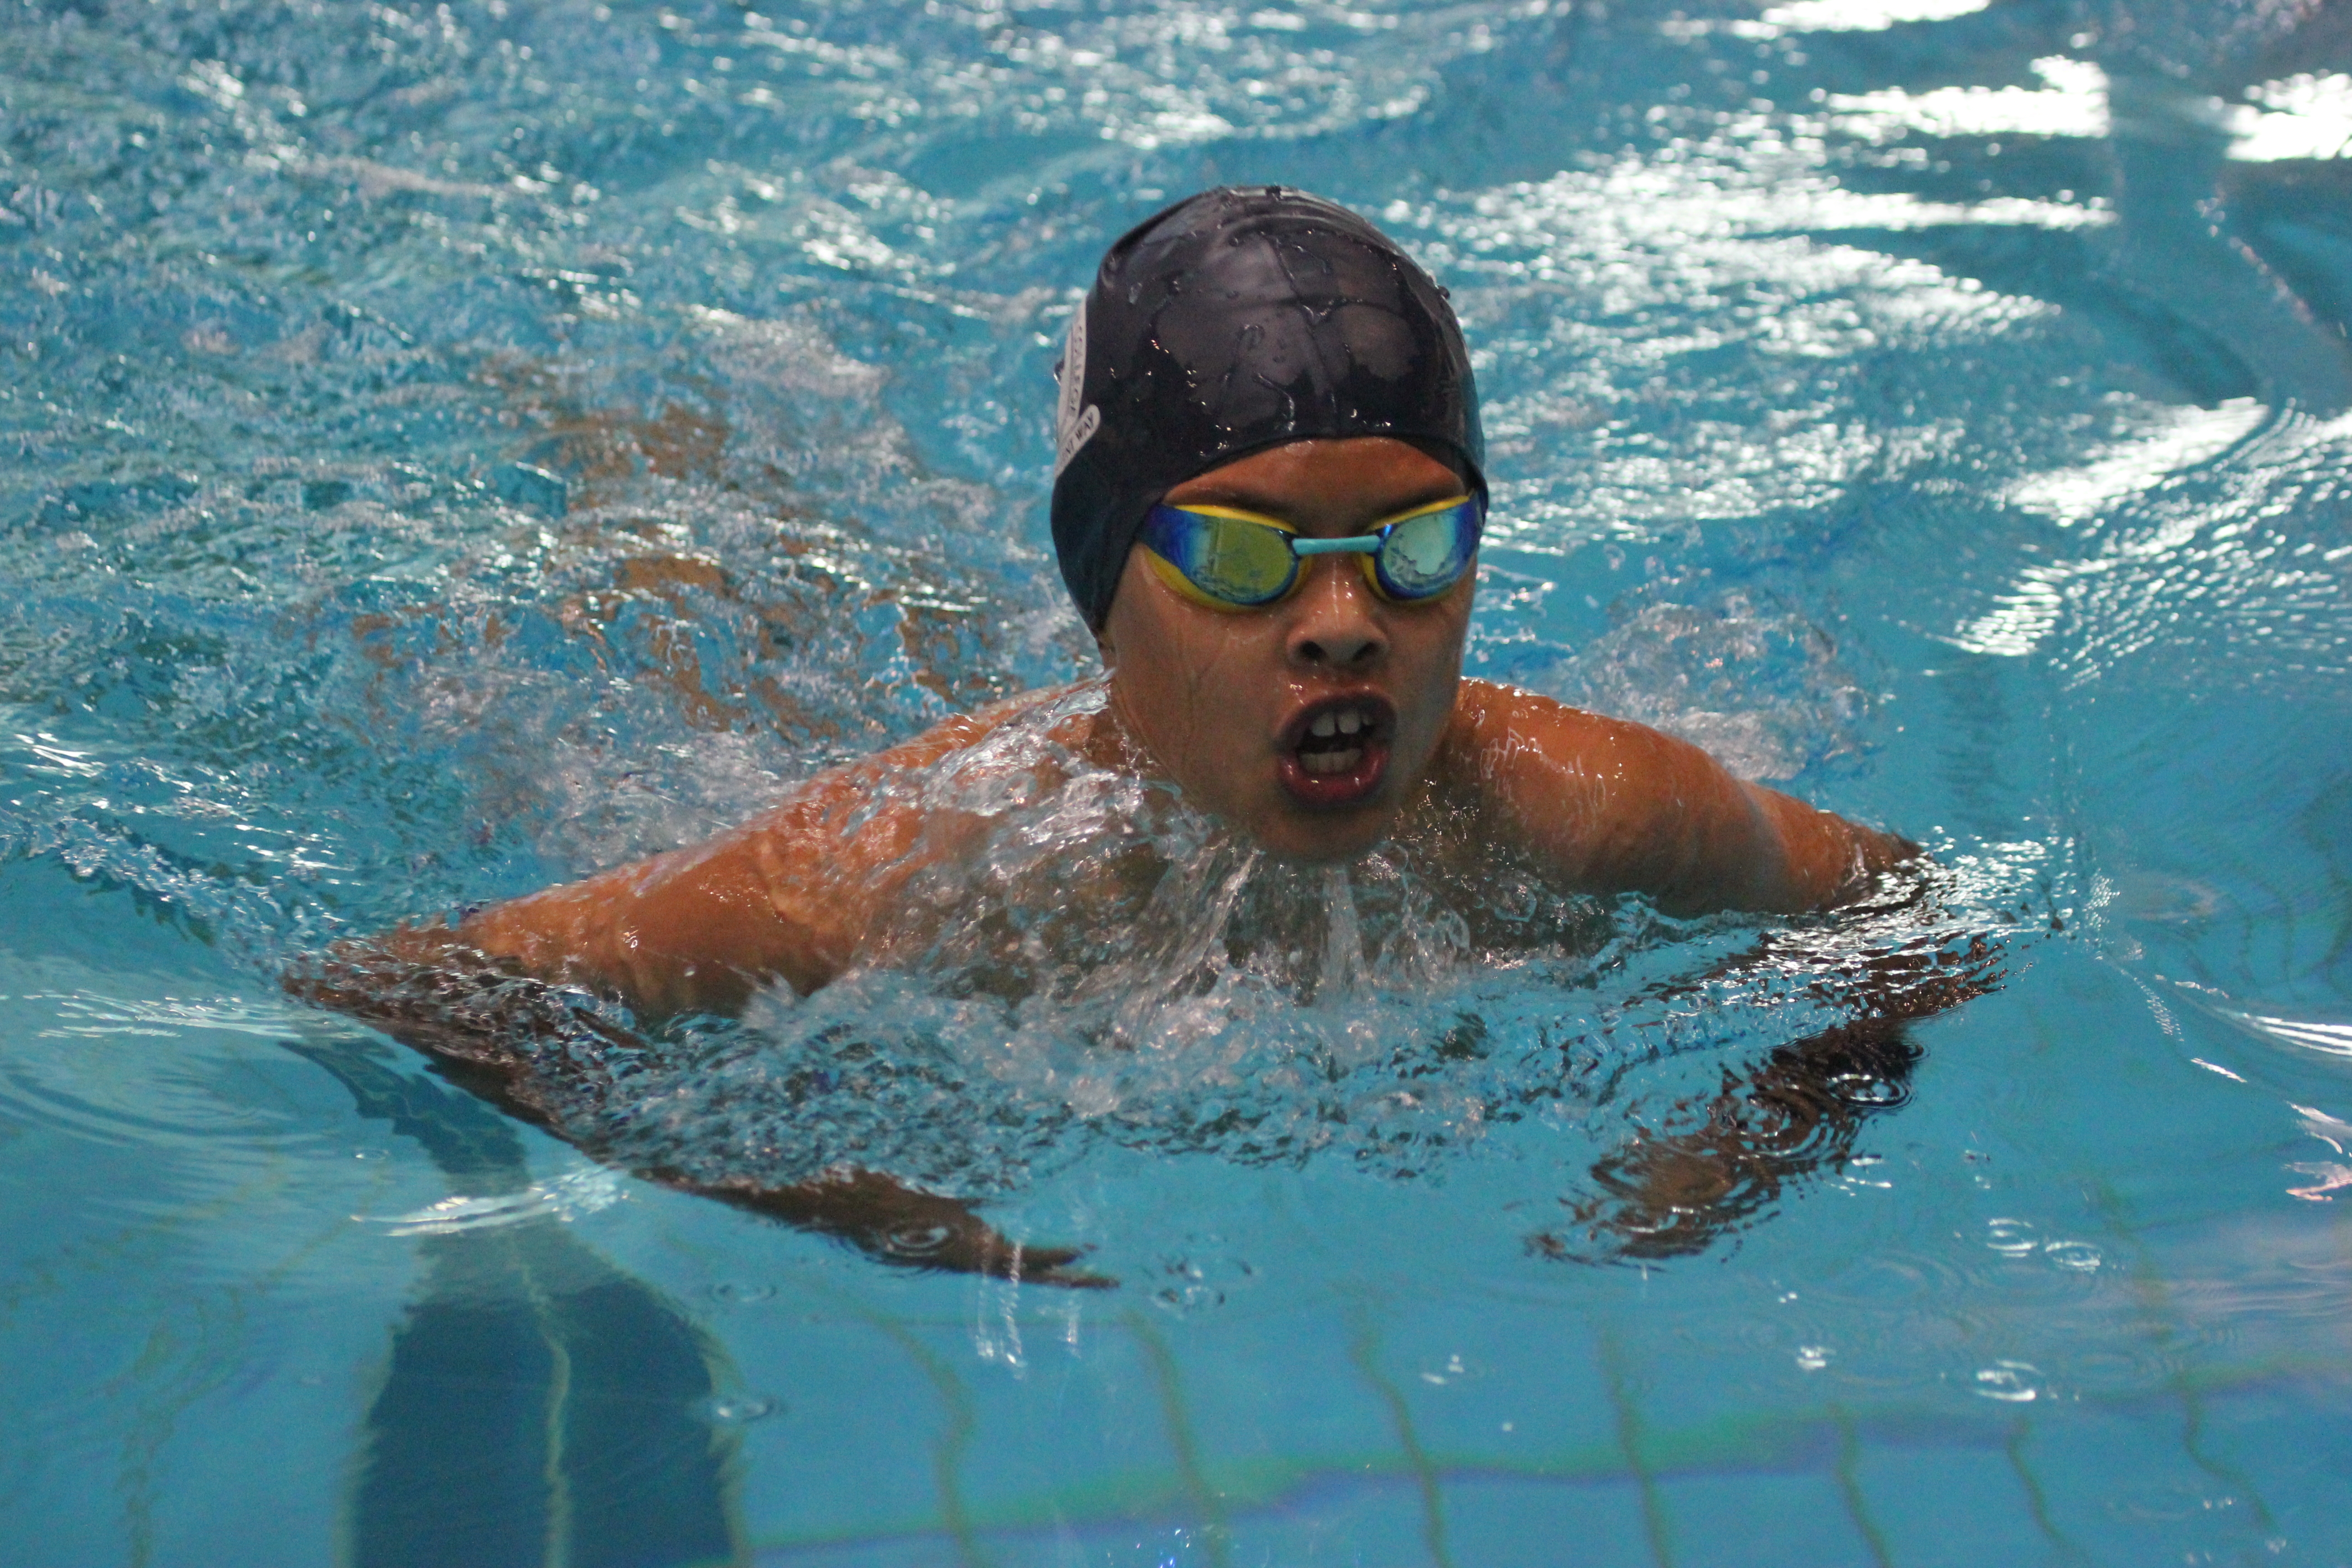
(1228, 702)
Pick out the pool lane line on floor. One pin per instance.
(1364, 1350)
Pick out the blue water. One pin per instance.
(448, 450)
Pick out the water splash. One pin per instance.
(1099, 963)
(564, 1198)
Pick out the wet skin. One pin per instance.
(1219, 700)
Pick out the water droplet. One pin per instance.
(2009, 1237)
(742, 1409)
(2079, 1255)
(2011, 1382)
(1867, 1088)
(736, 1292)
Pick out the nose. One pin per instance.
(1334, 622)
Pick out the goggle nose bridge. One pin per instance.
(1354, 544)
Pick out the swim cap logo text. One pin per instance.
(1072, 428)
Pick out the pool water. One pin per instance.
(451, 449)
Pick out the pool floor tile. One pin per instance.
(1759, 1519)
(1511, 1521)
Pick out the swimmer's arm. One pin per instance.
(1709, 1166)
(786, 896)
(1616, 806)
(490, 1036)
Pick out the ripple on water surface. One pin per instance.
(146, 1073)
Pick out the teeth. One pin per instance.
(1339, 721)
(1332, 762)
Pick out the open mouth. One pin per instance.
(1336, 753)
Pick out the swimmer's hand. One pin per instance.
(895, 1224)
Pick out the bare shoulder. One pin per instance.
(1610, 804)
(788, 895)
(1499, 730)
(1616, 806)
(1489, 703)
(857, 779)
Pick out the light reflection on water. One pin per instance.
(449, 449)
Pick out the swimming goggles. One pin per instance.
(1232, 560)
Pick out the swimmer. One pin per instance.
(1269, 490)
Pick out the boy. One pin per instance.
(1268, 498)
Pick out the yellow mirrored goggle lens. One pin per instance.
(1218, 556)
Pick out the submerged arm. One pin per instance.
(1710, 1164)
(1616, 806)
(537, 1056)
(1671, 1190)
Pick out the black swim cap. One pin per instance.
(1236, 319)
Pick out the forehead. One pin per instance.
(1342, 478)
